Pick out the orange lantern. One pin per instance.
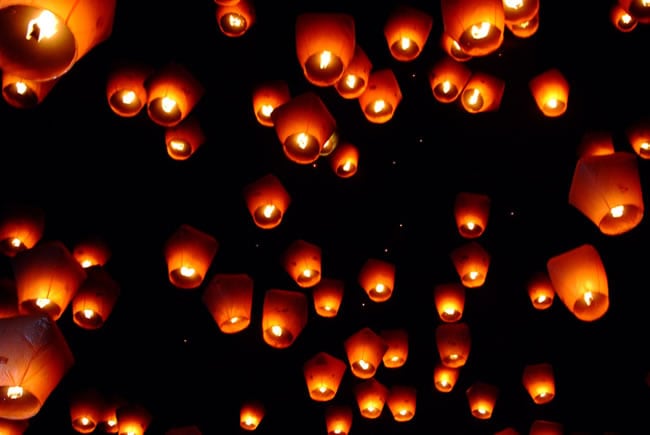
(21, 227)
(401, 401)
(126, 91)
(43, 39)
(345, 160)
(13, 427)
(607, 190)
(377, 278)
(371, 397)
(541, 291)
(472, 262)
(621, 19)
(397, 352)
(338, 419)
(453, 48)
(93, 251)
(482, 93)
(266, 97)
(481, 398)
(454, 342)
(325, 45)
(267, 201)
(550, 90)
(471, 211)
(284, 316)
(580, 281)
(638, 9)
(95, 299)
(365, 351)
(229, 299)
(85, 410)
(47, 277)
(172, 94)
(524, 29)
(235, 19)
(323, 374)
(449, 299)
(539, 381)
(183, 139)
(445, 378)
(132, 419)
(638, 134)
(596, 143)
(520, 11)
(8, 298)
(381, 97)
(302, 261)
(448, 78)
(108, 420)
(328, 295)
(35, 357)
(546, 427)
(355, 77)
(477, 25)
(23, 93)
(406, 31)
(189, 253)
(251, 414)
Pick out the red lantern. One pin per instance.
(539, 381)
(471, 211)
(472, 262)
(377, 278)
(267, 97)
(448, 78)
(453, 48)
(481, 398)
(550, 90)
(345, 160)
(406, 31)
(21, 227)
(126, 92)
(267, 201)
(454, 342)
(639, 9)
(302, 261)
(445, 378)
(355, 77)
(477, 25)
(365, 350)
(189, 253)
(235, 19)
(401, 401)
(229, 299)
(94, 301)
(338, 419)
(284, 316)
(323, 374)
(172, 94)
(381, 97)
(24, 93)
(251, 414)
(183, 139)
(541, 291)
(328, 295)
(449, 299)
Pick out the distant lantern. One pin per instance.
(133, 419)
(23, 93)
(284, 316)
(596, 143)
(478, 26)
(183, 139)
(638, 135)
(338, 419)
(550, 89)
(519, 11)
(580, 281)
(126, 90)
(524, 29)
(355, 77)
(448, 78)
(302, 261)
(21, 227)
(323, 375)
(47, 278)
(251, 414)
(229, 299)
(236, 19)
(539, 382)
(546, 427)
(189, 253)
(453, 341)
(13, 427)
(402, 402)
(622, 19)
(445, 378)
(377, 278)
(449, 299)
(94, 301)
(638, 9)
(472, 263)
(43, 39)
(483, 93)
(382, 96)
(85, 410)
(607, 190)
(365, 350)
(345, 160)
(482, 398)
(172, 94)
(328, 296)
(303, 125)
(453, 48)
(8, 298)
(398, 347)
(540, 291)
(35, 357)
(406, 31)
(267, 201)
(267, 97)
(471, 212)
(371, 396)
(92, 251)
(325, 45)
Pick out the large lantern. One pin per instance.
(266, 97)
(172, 94)
(397, 352)
(541, 291)
(267, 201)
(189, 253)
(132, 419)
(328, 296)
(622, 19)
(445, 378)
(454, 342)
(377, 278)
(402, 402)
(448, 78)
(365, 351)
(381, 97)
(86, 410)
(183, 139)
(23, 93)
(483, 93)
(449, 299)
(481, 398)
(229, 299)
(323, 374)
(406, 31)
(639, 9)
(478, 26)
(453, 48)
(251, 414)
(302, 261)
(126, 90)
(94, 301)
(371, 397)
(21, 227)
(338, 419)
(539, 382)
(355, 77)
(235, 19)
(471, 211)
(284, 316)
(472, 262)
(550, 89)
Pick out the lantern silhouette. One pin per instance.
(448, 78)
(453, 48)
(266, 97)
(482, 93)
(94, 301)
(472, 262)
(371, 396)
(189, 253)
(621, 19)
(445, 378)
(126, 90)
(607, 190)
(355, 77)
(401, 401)
(47, 278)
(377, 278)
(345, 160)
(338, 419)
(92, 251)
(183, 139)
(518, 12)
(302, 261)
(638, 9)
(471, 211)
(13, 427)
(365, 350)
(397, 351)
(35, 357)
(24, 93)
(546, 427)
(406, 31)
(172, 94)
(21, 227)
(541, 291)
(323, 374)
(229, 299)
(482, 398)
(8, 298)
(43, 39)
(524, 29)
(580, 281)
(539, 382)
(132, 419)
(284, 316)
(325, 45)
(477, 25)
(454, 342)
(638, 134)
(234, 20)
(328, 296)
(596, 143)
(251, 414)
(267, 201)
(85, 410)
(550, 89)
(449, 299)
(382, 96)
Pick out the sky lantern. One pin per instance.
(482, 398)
(539, 382)
(406, 31)
(189, 253)
(546, 427)
(355, 77)
(397, 352)
(471, 211)
(454, 342)
(345, 160)
(21, 227)
(482, 93)
(596, 143)
(524, 29)
(91, 251)
(172, 94)
(323, 375)
(518, 11)
(284, 316)
(94, 301)
(638, 9)
(85, 410)
(365, 350)
(126, 91)
(402, 401)
(251, 414)
(453, 48)
(478, 26)
(338, 419)
(382, 96)
(638, 135)
(302, 261)
(377, 278)
(550, 89)
(267, 201)
(183, 139)
(133, 419)
(541, 291)
(449, 299)
(328, 296)
(266, 97)
(371, 396)
(229, 299)
(447, 79)
(23, 93)
(235, 19)
(445, 378)
(472, 262)
(622, 19)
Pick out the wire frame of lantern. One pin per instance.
(328, 296)
(382, 96)
(580, 281)
(236, 19)
(8, 298)
(94, 301)
(406, 31)
(35, 358)
(521, 11)
(325, 45)
(133, 419)
(229, 299)
(622, 20)
(471, 212)
(126, 91)
(338, 419)
(445, 378)
(355, 77)
(172, 94)
(92, 251)
(453, 48)
(607, 190)
(267, 201)
(478, 26)
(402, 402)
(284, 316)
(638, 135)
(539, 382)
(454, 342)
(546, 427)
(302, 261)
(24, 93)
(345, 160)
(483, 93)
(449, 299)
(365, 350)
(183, 139)
(398, 347)
(524, 29)
(377, 279)
(266, 97)
(472, 263)
(43, 39)
(251, 414)
(447, 79)
(323, 375)
(482, 398)
(13, 427)
(596, 143)
(21, 227)
(189, 253)
(638, 9)
(85, 410)
(541, 291)
(550, 89)
(371, 396)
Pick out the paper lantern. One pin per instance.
(472, 263)
(382, 96)
(172, 94)
(524, 29)
(35, 357)
(638, 134)
(541, 291)
(546, 427)
(622, 19)
(284, 316)
(345, 160)
(338, 419)
(520, 11)
(607, 190)
(477, 25)
(328, 296)
(482, 93)
(596, 143)
(445, 378)
(267, 201)
(108, 420)
(482, 398)
(365, 350)
(8, 298)
(323, 374)
(454, 342)
(539, 381)
(183, 139)
(92, 251)
(371, 397)
(24, 93)
(21, 227)
(267, 97)
(448, 78)
(42, 39)
(189, 253)
(47, 278)
(126, 90)
(13, 427)
(235, 20)
(132, 419)
(355, 77)
(449, 299)
(406, 31)
(251, 414)
(402, 401)
(453, 48)
(397, 351)
(94, 301)
(550, 89)
(471, 211)
(377, 278)
(229, 299)
(580, 281)
(85, 410)
(638, 9)
(302, 261)
(325, 45)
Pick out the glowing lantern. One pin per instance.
(550, 90)
(345, 160)
(172, 94)
(472, 262)
(481, 398)
(303, 124)
(454, 342)
(518, 11)
(126, 91)
(381, 97)
(471, 211)
(21, 227)
(8, 298)
(85, 410)
(132, 419)
(284, 316)
(545, 427)
(377, 278)
(251, 414)
(47, 277)
(448, 78)
(189, 253)
(524, 29)
(397, 352)
(95, 299)
(621, 19)
(449, 299)
(640, 9)
(235, 19)
(596, 143)
(371, 397)
(406, 31)
(13, 427)
(401, 401)
(476, 25)
(482, 93)
(302, 261)
(539, 381)
(267, 201)
(607, 190)
(541, 291)
(24, 93)
(338, 419)
(453, 48)
(229, 299)
(266, 97)
(355, 77)
(183, 139)
(325, 46)
(327, 296)
(323, 374)
(43, 39)
(365, 350)
(638, 134)
(108, 419)
(35, 357)
(93, 251)
(580, 281)
(445, 378)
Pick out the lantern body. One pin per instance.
(328, 296)
(445, 378)
(85, 410)
(35, 358)
(453, 341)
(637, 8)
(481, 398)
(189, 253)
(251, 414)
(519, 12)
(266, 97)
(580, 281)
(546, 427)
(607, 190)
(524, 29)
(371, 397)
(448, 78)
(267, 201)
(32, 53)
(550, 90)
(355, 77)
(284, 316)
(126, 91)
(621, 19)
(234, 20)
(401, 401)
(21, 228)
(397, 351)
(23, 93)
(172, 94)
(596, 143)
(132, 419)
(302, 261)
(406, 31)
(449, 299)
(377, 278)
(539, 381)
(345, 160)
(94, 301)
(638, 134)
(471, 211)
(381, 97)
(13, 427)
(453, 48)
(338, 419)
(365, 350)
(477, 25)
(183, 139)
(229, 299)
(472, 262)
(93, 251)
(482, 93)
(323, 374)
(541, 291)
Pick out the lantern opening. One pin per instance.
(126, 102)
(233, 24)
(15, 400)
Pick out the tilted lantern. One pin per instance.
(229, 299)
(449, 299)
(483, 93)
(85, 410)
(524, 29)
(328, 296)
(520, 11)
(478, 26)
(546, 427)
(445, 378)
(355, 77)
(338, 419)
(251, 414)
(638, 134)
(397, 352)
(266, 97)
(94, 301)
(172, 94)
(402, 402)
(381, 97)
(189, 253)
(8, 298)
(448, 78)
(24, 93)
(482, 398)
(267, 201)
(284, 316)
(302, 261)
(21, 227)
(638, 9)
(371, 396)
(472, 263)
(454, 342)
(471, 211)
(132, 419)
(183, 139)
(377, 278)
(323, 374)
(406, 31)
(126, 90)
(550, 89)
(539, 382)
(541, 291)
(453, 48)
(365, 350)
(622, 19)
(345, 160)
(91, 251)
(235, 20)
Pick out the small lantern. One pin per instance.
(284, 316)
(323, 374)
(371, 397)
(172, 94)
(21, 227)
(93, 251)
(355, 77)
(328, 296)
(454, 343)
(302, 261)
(338, 419)
(267, 97)
(24, 93)
(13, 427)
(546, 427)
(183, 139)
(448, 78)
(524, 29)
(520, 11)
(267, 201)
(472, 262)
(622, 19)
(132, 419)
(596, 143)
(94, 301)
(477, 25)
(382, 96)
(401, 401)
(365, 351)
(445, 378)
(229, 299)
(550, 90)
(85, 410)
(345, 160)
(377, 278)
(398, 347)
(638, 9)
(251, 414)
(453, 48)
(540, 291)
(126, 90)
(235, 19)
(481, 398)
(449, 299)
(482, 93)
(638, 134)
(189, 253)
(539, 381)
(471, 211)
(108, 420)
(406, 31)
(8, 298)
